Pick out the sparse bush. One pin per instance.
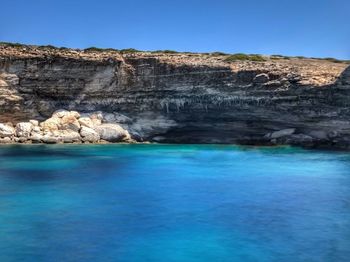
(47, 46)
(331, 59)
(277, 57)
(244, 57)
(165, 51)
(129, 50)
(15, 45)
(257, 58)
(111, 50)
(93, 49)
(218, 54)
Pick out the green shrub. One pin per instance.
(93, 49)
(218, 54)
(96, 49)
(47, 46)
(15, 45)
(165, 51)
(244, 57)
(257, 58)
(129, 50)
(331, 59)
(275, 57)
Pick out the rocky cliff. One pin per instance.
(183, 97)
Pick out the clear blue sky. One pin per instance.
(319, 28)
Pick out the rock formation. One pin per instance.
(64, 127)
(177, 98)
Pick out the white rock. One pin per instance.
(112, 132)
(36, 137)
(63, 136)
(36, 129)
(87, 122)
(3, 83)
(51, 124)
(69, 122)
(34, 122)
(97, 115)
(5, 140)
(68, 136)
(282, 133)
(49, 139)
(24, 129)
(61, 113)
(89, 135)
(6, 130)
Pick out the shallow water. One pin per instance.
(173, 203)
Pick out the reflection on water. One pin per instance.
(173, 203)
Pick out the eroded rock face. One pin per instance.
(194, 98)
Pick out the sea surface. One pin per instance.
(166, 203)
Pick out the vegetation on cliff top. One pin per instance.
(229, 57)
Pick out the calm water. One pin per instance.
(173, 203)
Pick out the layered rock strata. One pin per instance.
(176, 98)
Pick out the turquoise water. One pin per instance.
(173, 203)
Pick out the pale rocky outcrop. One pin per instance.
(281, 133)
(89, 135)
(5, 140)
(24, 129)
(87, 122)
(6, 130)
(34, 122)
(112, 132)
(65, 127)
(69, 122)
(51, 124)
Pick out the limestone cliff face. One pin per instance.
(183, 97)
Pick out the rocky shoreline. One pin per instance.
(65, 127)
